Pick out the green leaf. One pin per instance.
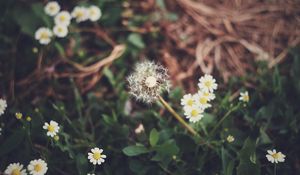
(168, 148)
(135, 150)
(12, 142)
(154, 136)
(136, 40)
(249, 164)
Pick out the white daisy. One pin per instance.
(63, 18)
(193, 113)
(139, 129)
(52, 8)
(3, 106)
(207, 83)
(209, 95)
(52, 128)
(43, 35)
(201, 100)
(60, 30)
(187, 101)
(244, 97)
(94, 13)
(80, 14)
(37, 167)
(274, 156)
(15, 169)
(96, 156)
(230, 138)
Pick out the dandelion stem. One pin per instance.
(171, 110)
(222, 119)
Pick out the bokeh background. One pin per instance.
(80, 81)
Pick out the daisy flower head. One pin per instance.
(244, 97)
(194, 113)
(94, 13)
(230, 138)
(148, 81)
(187, 101)
(80, 14)
(3, 106)
(37, 167)
(52, 8)
(43, 35)
(209, 95)
(63, 18)
(207, 83)
(274, 156)
(201, 100)
(52, 128)
(60, 31)
(15, 169)
(96, 156)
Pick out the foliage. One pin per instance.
(107, 117)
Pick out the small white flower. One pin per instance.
(80, 14)
(43, 35)
(274, 156)
(201, 100)
(90, 174)
(15, 169)
(60, 31)
(244, 97)
(63, 18)
(207, 83)
(209, 95)
(94, 13)
(193, 113)
(187, 101)
(139, 129)
(3, 106)
(230, 138)
(96, 156)
(52, 8)
(148, 81)
(37, 167)
(52, 128)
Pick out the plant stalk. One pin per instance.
(222, 119)
(171, 110)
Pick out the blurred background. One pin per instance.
(250, 44)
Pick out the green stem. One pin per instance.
(171, 110)
(275, 172)
(222, 119)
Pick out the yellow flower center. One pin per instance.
(44, 35)
(51, 128)
(246, 98)
(203, 100)
(16, 172)
(190, 102)
(208, 83)
(37, 167)
(51, 8)
(60, 29)
(194, 113)
(275, 156)
(62, 18)
(79, 14)
(97, 155)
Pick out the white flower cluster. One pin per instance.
(194, 105)
(62, 20)
(35, 167)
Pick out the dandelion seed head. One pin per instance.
(148, 81)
